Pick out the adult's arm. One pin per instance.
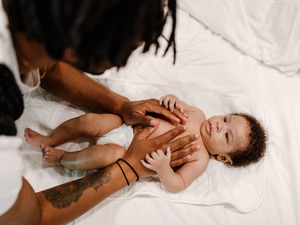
(66, 202)
(70, 84)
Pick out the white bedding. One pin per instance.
(215, 76)
(267, 30)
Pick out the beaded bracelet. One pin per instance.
(137, 176)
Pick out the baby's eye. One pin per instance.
(225, 120)
(226, 135)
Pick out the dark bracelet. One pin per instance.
(123, 172)
(137, 176)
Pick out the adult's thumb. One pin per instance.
(147, 131)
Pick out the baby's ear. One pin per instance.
(225, 159)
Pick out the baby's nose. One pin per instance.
(218, 125)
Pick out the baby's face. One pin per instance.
(226, 133)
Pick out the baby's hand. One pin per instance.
(158, 161)
(170, 101)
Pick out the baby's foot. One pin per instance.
(52, 156)
(34, 138)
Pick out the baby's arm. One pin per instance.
(174, 181)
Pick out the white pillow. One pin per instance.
(268, 30)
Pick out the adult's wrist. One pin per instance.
(129, 173)
(120, 105)
(124, 174)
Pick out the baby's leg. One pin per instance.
(35, 138)
(89, 124)
(93, 157)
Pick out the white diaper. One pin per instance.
(122, 135)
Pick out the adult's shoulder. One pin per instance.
(8, 57)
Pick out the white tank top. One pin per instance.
(11, 162)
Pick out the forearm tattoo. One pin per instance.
(63, 195)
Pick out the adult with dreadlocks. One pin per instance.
(55, 37)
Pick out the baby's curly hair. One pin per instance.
(257, 143)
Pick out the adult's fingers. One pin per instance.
(180, 114)
(167, 137)
(182, 142)
(179, 162)
(146, 120)
(181, 153)
(147, 131)
(181, 156)
(158, 109)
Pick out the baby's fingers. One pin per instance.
(168, 154)
(147, 165)
(179, 106)
(161, 100)
(154, 155)
(160, 153)
(172, 103)
(166, 102)
(149, 159)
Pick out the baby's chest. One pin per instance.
(193, 126)
(200, 155)
(166, 126)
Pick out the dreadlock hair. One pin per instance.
(256, 147)
(97, 31)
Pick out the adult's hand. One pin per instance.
(180, 156)
(141, 145)
(136, 112)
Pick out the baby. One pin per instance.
(235, 139)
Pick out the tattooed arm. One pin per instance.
(66, 202)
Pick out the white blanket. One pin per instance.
(243, 188)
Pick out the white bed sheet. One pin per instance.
(207, 71)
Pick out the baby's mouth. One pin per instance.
(208, 128)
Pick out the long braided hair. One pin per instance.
(101, 33)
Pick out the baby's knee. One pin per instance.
(119, 151)
(86, 118)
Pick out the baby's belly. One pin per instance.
(163, 127)
(192, 128)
